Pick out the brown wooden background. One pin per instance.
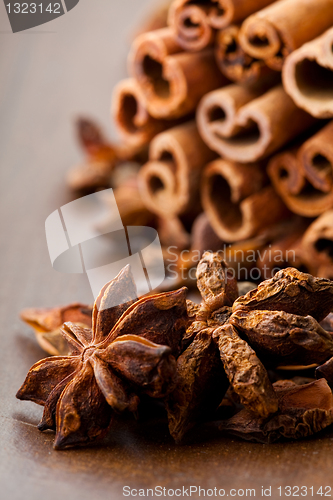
(48, 75)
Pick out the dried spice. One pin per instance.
(247, 375)
(303, 411)
(218, 289)
(217, 347)
(47, 322)
(199, 368)
(109, 366)
(201, 386)
(293, 292)
(216, 283)
(201, 379)
(282, 338)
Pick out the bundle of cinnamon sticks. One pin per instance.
(227, 110)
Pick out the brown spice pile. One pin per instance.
(222, 354)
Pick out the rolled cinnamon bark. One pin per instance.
(304, 177)
(238, 200)
(316, 157)
(191, 25)
(132, 120)
(172, 81)
(193, 21)
(234, 63)
(242, 125)
(169, 182)
(308, 76)
(317, 246)
(274, 32)
(286, 174)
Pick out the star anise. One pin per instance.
(112, 364)
(216, 356)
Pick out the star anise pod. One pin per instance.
(111, 365)
(293, 292)
(216, 356)
(281, 338)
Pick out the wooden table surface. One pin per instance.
(49, 75)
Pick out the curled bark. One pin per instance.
(243, 125)
(171, 80)
(235, 198)
(234, 63)
(303, 176)
(191, 25)
(274, 32)
(317, 246)
(170, 180)
(194, 22)
(308, 75)
(132, 120)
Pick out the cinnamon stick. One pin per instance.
(303, 177)
(191, 25)
(235, 198)
(234, 63)
(317, 246)
(242, 125)
(316, 157)
(274, 32)
(170, 180)
(193, 22)
(172, 81)
(129, 113)
(308, 76)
